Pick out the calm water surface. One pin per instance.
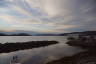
(38, 55)
(4, 39)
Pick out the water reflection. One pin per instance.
(40, 55)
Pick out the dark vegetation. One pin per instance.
(9, 47)
(65, 60)
(83, 42)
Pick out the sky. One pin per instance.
(48, 16)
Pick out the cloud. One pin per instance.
(50, 16)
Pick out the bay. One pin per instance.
(40, 55)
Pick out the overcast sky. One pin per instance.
(48, 16)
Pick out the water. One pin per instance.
(38, 55)
(4, 39)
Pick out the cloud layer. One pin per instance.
(48, 16)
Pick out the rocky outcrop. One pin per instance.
(84, 42)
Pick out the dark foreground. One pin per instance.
(86, 57)
(65, 60)
(10, 47)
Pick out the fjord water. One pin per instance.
(38, 55)
(4, 39)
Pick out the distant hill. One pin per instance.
(31, 33)
(47, 35)
(80, 33)
(20, 34)
(2, 34)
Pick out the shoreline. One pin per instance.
(10, 47)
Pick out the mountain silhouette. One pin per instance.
(32, 33)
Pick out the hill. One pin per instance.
(80, 33)
(31, 33)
